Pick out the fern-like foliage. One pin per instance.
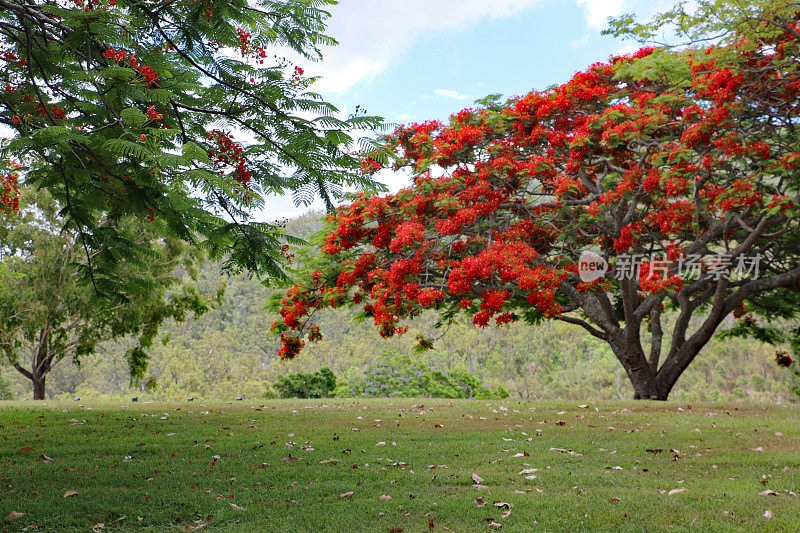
(117, 102)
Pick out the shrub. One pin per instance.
(395, 375)
(320, 384)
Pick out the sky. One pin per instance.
(417, 60)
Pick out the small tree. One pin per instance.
(47, 310)
(636, 188)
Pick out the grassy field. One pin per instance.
(344, 465)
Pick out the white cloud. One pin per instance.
(579, 43)
(373, 34)
(449, 93)
(598, 11)
(347, 74)
(627, 49)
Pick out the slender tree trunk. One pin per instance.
(41, 366)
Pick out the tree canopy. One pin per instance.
(184, 114)
(47, 311)
(674, 170)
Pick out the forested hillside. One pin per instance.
(229, 352)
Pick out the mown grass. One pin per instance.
(152, 467)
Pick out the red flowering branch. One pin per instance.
(9, 193)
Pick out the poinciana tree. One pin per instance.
(673, 168)
(134, 108)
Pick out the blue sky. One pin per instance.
(446, 70)
(416, 60)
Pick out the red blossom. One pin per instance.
(9, 193)
(152, 114)
(226, 153)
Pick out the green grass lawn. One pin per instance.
(288, 465)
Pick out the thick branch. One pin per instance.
(22, 371)
(655, 342)
(585, 325)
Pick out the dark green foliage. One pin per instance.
(396, 375)
(320, 384)
(111, 137)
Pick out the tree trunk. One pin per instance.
(645, 385)
(643, 379)
(38, 387)
(674, 366)
(41, 366)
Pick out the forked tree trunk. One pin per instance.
(37, 377)
(650, 380)
(39, 369)
(645, 384)
(650, 385)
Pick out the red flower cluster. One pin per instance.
(244, 40)
(152, 114)
(9, 57)
(297, 75)
(121, 56)
(783, 359)
(369, 166)
(653, 278)
(246, 48)
(228, 153)
(9, 193)
(291, 347)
